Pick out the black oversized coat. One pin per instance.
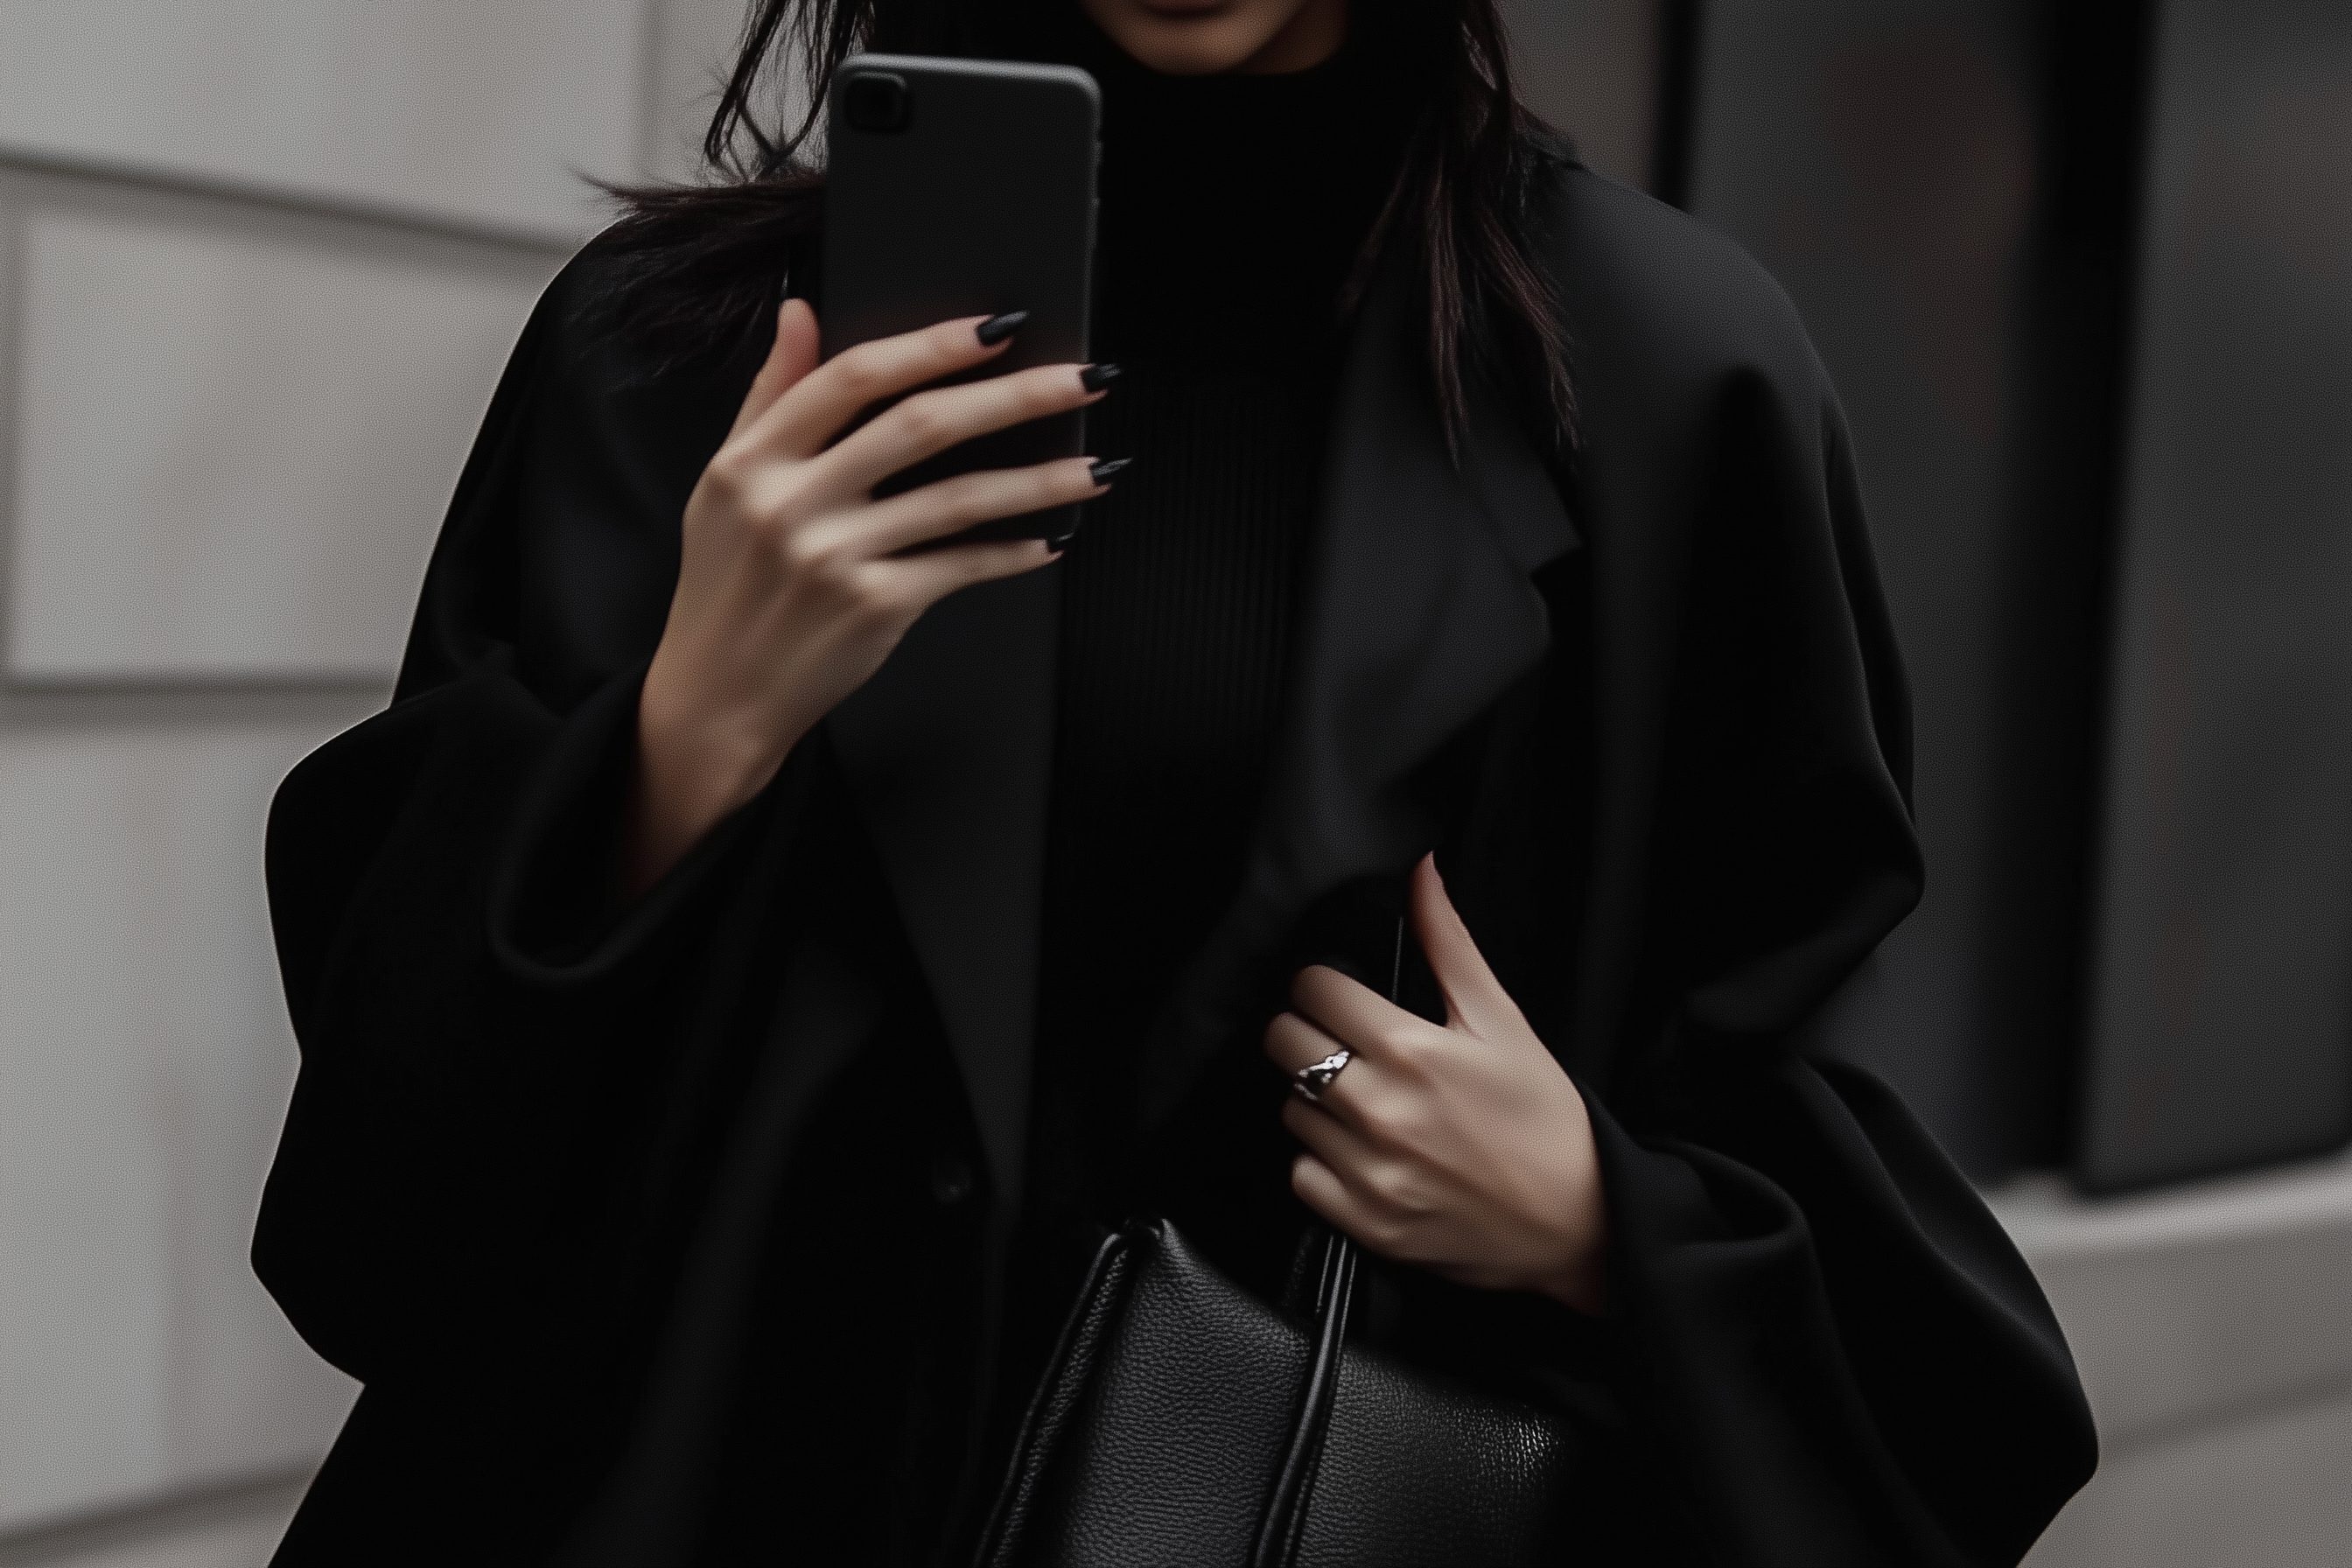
(557, 1178)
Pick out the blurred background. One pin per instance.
(2082, 270)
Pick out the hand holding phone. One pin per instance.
(901, 453)
(796, 579)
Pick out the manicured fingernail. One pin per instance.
(996, 329)
(1061, 541)
(1095, 377)
(1107, 469)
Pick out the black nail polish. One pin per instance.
(1107, 469)
(996, 329)
(1061, 541)
(1095, 377)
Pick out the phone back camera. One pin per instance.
(878, 100)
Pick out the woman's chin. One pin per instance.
(1202, 45)
(1205, 37)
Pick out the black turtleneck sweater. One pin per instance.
(1234, 208)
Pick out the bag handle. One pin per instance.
(1335, 1294)
(1286, 1514)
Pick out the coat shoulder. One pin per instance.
(612, 313)
(1653, 295)
(584, 309)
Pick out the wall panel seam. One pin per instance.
(530, 239)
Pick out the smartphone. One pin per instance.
(960, 187)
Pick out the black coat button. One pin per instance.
(951, 1180)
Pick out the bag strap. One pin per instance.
(1285, 1515)
(1335, 1293)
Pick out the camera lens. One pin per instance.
(878, 101)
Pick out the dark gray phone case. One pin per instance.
(982, 203)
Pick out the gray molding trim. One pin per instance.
(2252, 1410)
(532, 239)
(26, 710)
(2199, 1307)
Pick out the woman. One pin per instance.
(749, 960)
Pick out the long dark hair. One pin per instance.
(696, 263)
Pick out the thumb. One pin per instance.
(1473, 997)
(792, 357)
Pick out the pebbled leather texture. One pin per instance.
(1190, 1406)
(1171, 1430)
(1418, 1471)
(1060, 1399)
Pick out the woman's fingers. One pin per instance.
(1357, 1187)
(931, 422)
(1366, 1097)
(1473, 995)
(1319, 1188)
(932, 576)
(1348, 1153)
(821, 404)
(790, 360)
(948, 506)
(1355, 1014)
(1292, 1042)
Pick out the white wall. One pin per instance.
(468, 110)
(260, 261)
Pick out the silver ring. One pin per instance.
(1309, 1082)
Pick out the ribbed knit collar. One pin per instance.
(1232, 206)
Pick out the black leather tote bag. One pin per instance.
(1184, 1423)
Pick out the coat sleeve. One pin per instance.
(1835, 1354)
(472, 1010)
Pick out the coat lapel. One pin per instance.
(1417, 613)
(948, 755)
